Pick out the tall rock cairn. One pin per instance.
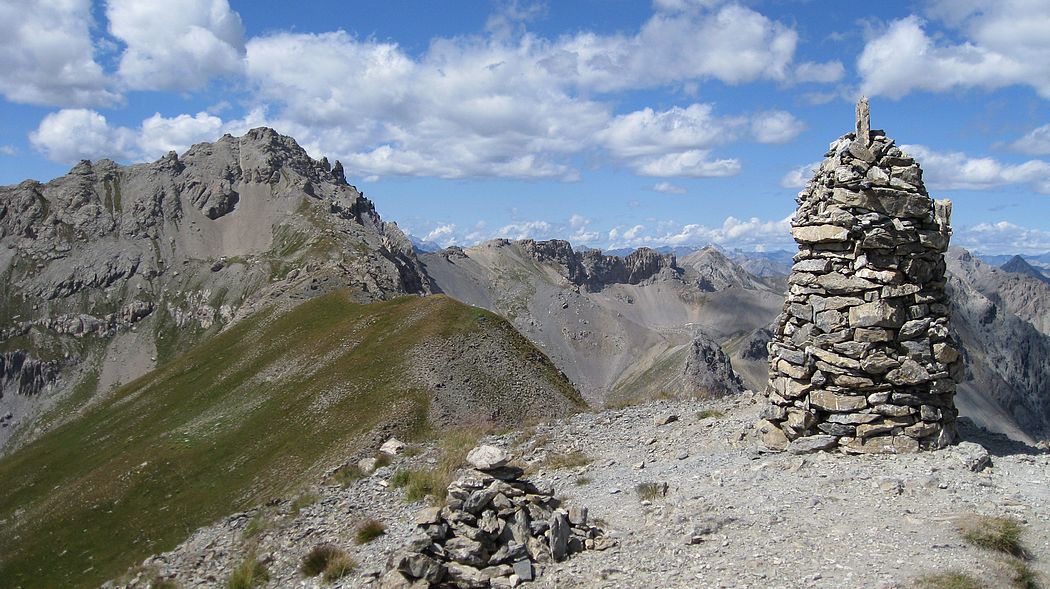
(861, 358)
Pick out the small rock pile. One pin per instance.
(861, 357)
(493, 532)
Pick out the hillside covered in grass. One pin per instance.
(252, 414)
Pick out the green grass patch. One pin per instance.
(233, 423)
(368, 531)
(250, 573)
(709, 414)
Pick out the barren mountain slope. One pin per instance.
(620, 328)
(111, 270)
(620, 341)
(1024, 295)
(1007, 356)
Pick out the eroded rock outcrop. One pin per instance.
(861, 356)
(708, 370)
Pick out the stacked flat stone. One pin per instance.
(861, 358)
(495, 530)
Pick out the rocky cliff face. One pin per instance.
(1001, 321)
(593, 270)
(110, 269)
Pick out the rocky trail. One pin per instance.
(731, 515)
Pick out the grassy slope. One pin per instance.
(243, 418)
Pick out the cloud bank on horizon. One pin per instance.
(694, 106)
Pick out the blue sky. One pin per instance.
(607, 122)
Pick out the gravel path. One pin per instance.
(733, 515)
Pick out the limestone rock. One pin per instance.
(487, 457)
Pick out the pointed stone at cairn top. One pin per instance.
(863, 122)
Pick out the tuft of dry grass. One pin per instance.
(260, 523)
(998, 534)
(320, 558)
(250, 573)
(554, 461)
(338, 567)
(949, 580)
(304, 500)
(346, 475)
(369, 530)
(651, 491)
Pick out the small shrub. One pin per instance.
(651, 491)
(304, 500)
(581, 481)
(368, 531)
(250, 573)
(949, 580)
(709, 414)
(338, 567)
(346, 475)
(1000, 534)
(319, 558)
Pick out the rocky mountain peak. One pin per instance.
(197, 237)
(1019, 265)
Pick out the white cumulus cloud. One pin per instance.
(1001, 44)
(73, 134)
(47, 56)
(958, 171)
(1001, 237)
(695, 163)
(176, 44)
(514, 103)
(1035, 142)
(776, 127)
(798, 177)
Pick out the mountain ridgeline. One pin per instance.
(191, 337)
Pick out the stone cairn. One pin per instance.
(861, 357)
(496, 530)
